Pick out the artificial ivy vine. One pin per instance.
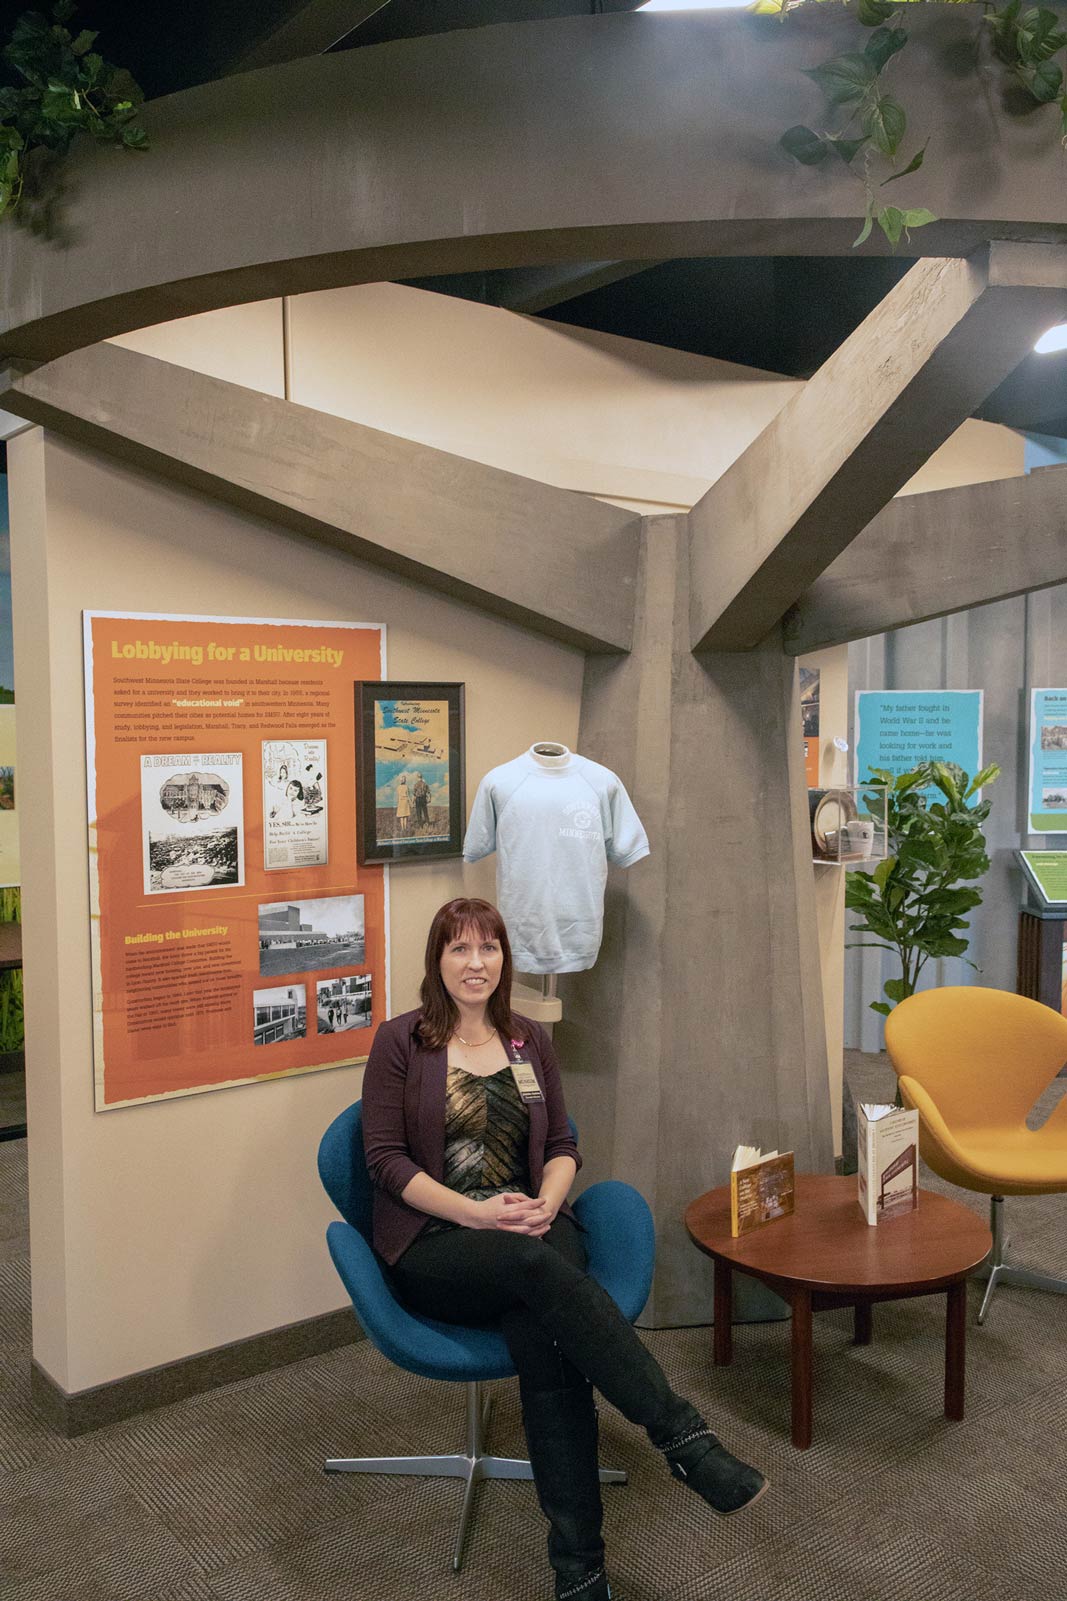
(865, 125)
(61, 88)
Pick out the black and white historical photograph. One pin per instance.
(190, 797)
(192, 822)
(280, 1014)
(180, 861)
(344, 1003)
(307, 936)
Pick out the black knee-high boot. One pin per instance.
(561, 1432)
(591, 1331)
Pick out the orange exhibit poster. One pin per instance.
(234, 936)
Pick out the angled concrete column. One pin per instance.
(701, 1025)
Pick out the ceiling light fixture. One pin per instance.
(692, 5)
(1055, 339)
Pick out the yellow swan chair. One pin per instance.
(973, 1061)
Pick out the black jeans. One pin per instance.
(560, 1326)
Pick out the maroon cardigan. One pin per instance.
(404, 1122)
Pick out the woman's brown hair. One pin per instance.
(440, 1014)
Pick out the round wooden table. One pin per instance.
(826, 1255)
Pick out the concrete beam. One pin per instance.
(547, 558)
(941, 341)
(309, 31)
(669, 1062)
(535, 289)
(585, 138)
(929, 555)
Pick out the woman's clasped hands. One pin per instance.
(516, 1214)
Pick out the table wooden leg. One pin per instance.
(723, 1348)
(862, 1325)
(955, 1350)
(800, 1352)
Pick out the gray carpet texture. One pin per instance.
(223, 1497)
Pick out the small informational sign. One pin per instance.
(1047, 792)
(1046, 874)
(896, 729)
(809, 712)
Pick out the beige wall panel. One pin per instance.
(54, 1030)
(166, 1229)
(582, 410)
(523, 393)
(976, 453)
(242, 344)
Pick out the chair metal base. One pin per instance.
(471, 1466)
(1001, 1272)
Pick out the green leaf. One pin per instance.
(865, 232)
(883, 45)
(83, 42)
(918, 217)
(122, 85)
(945, 780)
(885, 122)
(1038, 35)
(845, 79)
(63, 10)
(988, 775)
(883, 870)
(891, 222)
(873, 12)
(804, 145)
(881, 1006)
(898, 989)
(135, 139)
(847, 149)
(1003, 25)
(1045, 81)
(913, 166)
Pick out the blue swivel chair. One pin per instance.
(620, 1243)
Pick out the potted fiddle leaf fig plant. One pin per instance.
(913, 903)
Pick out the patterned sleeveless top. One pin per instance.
(486, 1138)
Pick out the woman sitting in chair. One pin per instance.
(470, 1150)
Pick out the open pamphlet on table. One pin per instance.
(888, 1161)
(761, 1188)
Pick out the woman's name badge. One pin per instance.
(526, 1082)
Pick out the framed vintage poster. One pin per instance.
(234, 938)
(409, 771)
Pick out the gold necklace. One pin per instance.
(470, 1044)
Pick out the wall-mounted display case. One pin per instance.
(849, 825)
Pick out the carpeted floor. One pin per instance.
(223, 1498)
